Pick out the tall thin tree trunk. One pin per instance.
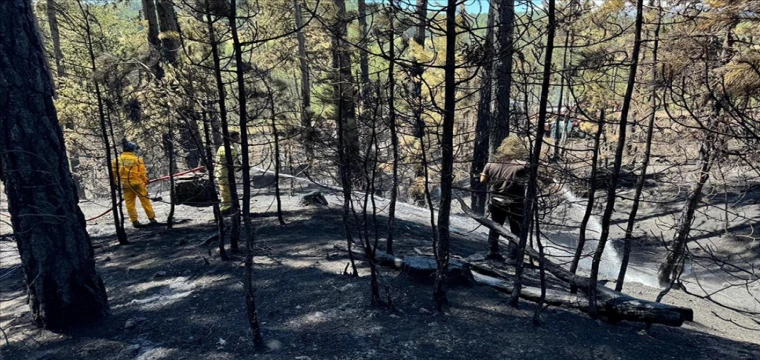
(169, 143)
(121, 235)
(480, 149)
(561, 97)
(169, 35)
(363, 55)
(645, 163)
(304, 65)
(591, 197)
(250, 301)
(55, 37)
(417, 71)
(394, 133)
(235, 229)
(50, 230)
(277, 162)
(345, 96)
(447, 157)
(209, 163)
(612, 187)
(501, 119)
(532, 191)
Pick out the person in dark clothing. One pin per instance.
(507, 176)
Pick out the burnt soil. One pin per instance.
(172, 298)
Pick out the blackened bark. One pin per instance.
(591, 197)
(480, 149)
(50, 230)
(611, 189)
(668, 269)
(169, 35)
(121, 235)
(304, 65)
(561, 115)
(394, 133)
(250, 301)
(344, 90)
(363, 56)
(532, 191)
(447, 158)
(55, 36)
(169, 144)
(277, 162)
(417, 71)
(500, 122)
(645, 162)
(209, 163)
(235, 229)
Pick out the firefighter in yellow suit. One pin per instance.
(222, 171)
(130, 172)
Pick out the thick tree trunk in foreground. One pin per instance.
(55, 249)
(447, 158)
(480, 149)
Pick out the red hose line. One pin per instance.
(167, 177)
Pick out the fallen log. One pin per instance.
(418, 267)
(617, 306)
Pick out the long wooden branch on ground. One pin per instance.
(616, 306)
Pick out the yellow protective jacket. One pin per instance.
(221, 161)
(131, 169)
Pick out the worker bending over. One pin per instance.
(507, 176)
(222, 171)
(129, 171)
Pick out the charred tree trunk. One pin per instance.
(394, 134)
(645, 163)
(209, 163)
(591, 197)
(277, 162)
(480, 149)
(149, 11)
(344, 91)
(668, 269)
(121, 235)
(447, 158)
(562, 116)
(169, 35)
(535, 157)
(363, 56)
(169, 145)
(417, 71)
(50, 230)
(612, 187)
(250, 301)
(235, 229)
(304, 65)
(55, 37)
(500, 122)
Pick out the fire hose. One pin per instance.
(163, 178)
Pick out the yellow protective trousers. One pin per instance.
(131, 193)
(224, 192)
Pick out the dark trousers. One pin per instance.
(500, 213)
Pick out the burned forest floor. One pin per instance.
(173, 298)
